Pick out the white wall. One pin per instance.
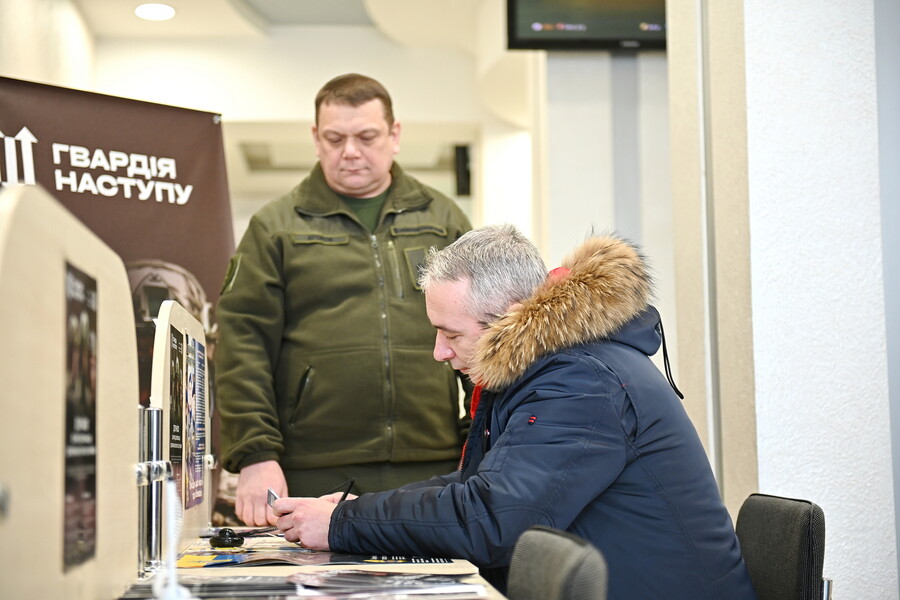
(818, 297)
(45, 41)
(887, 49)
(580, 150)
(276, 77)
(608, 163)
(656, 207)
(507, 199)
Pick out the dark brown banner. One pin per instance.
(148, 179)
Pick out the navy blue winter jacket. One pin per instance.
(589, 438)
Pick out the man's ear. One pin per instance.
(315, 136)
(395, 137)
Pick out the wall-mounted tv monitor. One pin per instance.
(586, 24)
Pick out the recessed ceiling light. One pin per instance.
(155, 12)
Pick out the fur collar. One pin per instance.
(608, 285)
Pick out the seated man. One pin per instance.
(575, 428)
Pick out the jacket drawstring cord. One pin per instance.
(662, 334)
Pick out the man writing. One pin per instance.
(323, 364)
(575, 428)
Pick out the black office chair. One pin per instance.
(783, 543)
(549, 564)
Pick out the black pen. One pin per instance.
(347, 491)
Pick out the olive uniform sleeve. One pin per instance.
(250, 315)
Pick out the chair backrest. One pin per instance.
(783, 543)
(549, 564)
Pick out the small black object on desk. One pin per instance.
(226, 538)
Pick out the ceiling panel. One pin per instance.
(309, 12)
(193, 19)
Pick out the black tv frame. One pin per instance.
(515, 42)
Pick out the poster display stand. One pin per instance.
(180, 390)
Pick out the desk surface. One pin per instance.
(454, 567)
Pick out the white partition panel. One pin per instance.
(69, 406)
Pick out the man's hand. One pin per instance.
(337, 497)
(253, 484)
(305, 521)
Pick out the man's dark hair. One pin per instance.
(354, 89)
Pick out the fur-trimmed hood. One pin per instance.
(607, 285)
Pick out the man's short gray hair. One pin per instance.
(502, 265)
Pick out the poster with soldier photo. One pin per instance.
(80, 502)
(195, 423)
(176, 402)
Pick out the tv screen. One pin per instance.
(586, 24)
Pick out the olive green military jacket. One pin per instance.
(325, 353)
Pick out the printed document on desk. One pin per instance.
(274, 550)
(350, 583)
(337, 585)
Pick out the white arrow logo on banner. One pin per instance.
(26, 140)
(6, 145)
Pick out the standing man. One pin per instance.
(323, 366)
(575, 429)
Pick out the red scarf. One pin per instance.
(473, 407)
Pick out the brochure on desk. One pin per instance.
(343, 584)
(375, 584)
(228, 586)
(274, 550)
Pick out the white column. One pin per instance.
(818, 300)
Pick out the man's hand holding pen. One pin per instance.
(306, 521)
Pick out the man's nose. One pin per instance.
(351, 148)
(442, 351)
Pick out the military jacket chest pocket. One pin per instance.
(414, 242)
(327, 239)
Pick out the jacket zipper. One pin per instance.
(385, 346)
(394, 259)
